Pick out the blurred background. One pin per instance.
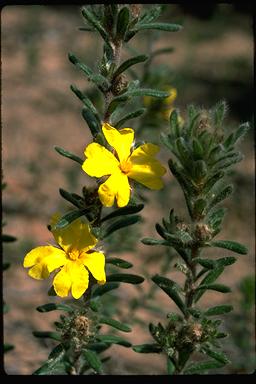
(212, 59)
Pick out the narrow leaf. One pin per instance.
(201, 367)
(92, 20)
(69, 155)
(171, 288)
(8, 238)
(87, 102)
(68, 218)
(129, 209)
(215, 287)
(160, 26)
(47, 334)
(219, 356)
(119, 262)
(230, 245)
(102, 289)
(53, 306)
(129, 116)
(227, 191)
(219, 310)
(149, 241)
(8, 347)
(125, 278)
(170, 366)
(69, 197)
(128, 63)
(91, 121)
(6, 266)
(93, 360)
(74, 60)
(115, 324)
(121, 223)
(113, 340)
(147, 348)
(123, 18)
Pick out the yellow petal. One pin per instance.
(121, 140)
(95, 262)
(44, 260)
(145, 168)
(76, 235)
(172, 96)
(116, 186)
(144, 150)
(62, 282)
(73, 276)
(100, 161)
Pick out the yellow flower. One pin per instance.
(74, 257)
(172, 96)
(139, 165)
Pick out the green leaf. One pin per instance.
(68, 218)
(129, 209)
(147, 92)
(74, 60)
(128, 63)
(87, 102)
(149, 241)
(121, 223)
(215, 287)
(70, 197)
(170, 366)
(224, 261)
(171, 288)
(209, 278)
(93, 360)
(174, 124)
(227, 191)
(123, 18)
(69, 155)
(98, 347)
(151, 14)
(47, 334)
(162, 51)
(110, 339)
(235, 136)
(115, 324)
(218, 310)
(160, 26)
(8, 238)
(119, 262)
(91, 121)
(219, 356)
(55, 365)
(102, 289)
(212, 181)
(197, 149)
(129, 116)
(230, 245)
(53, 306)
(6, 266)
(201, 367)
(220, 112)
(125, 278)
(147, 348)
(8, 347)
(92, 20)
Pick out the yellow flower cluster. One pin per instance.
(121, 164)
(74, 255)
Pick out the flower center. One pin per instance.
(74, 254)
(125, 166)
